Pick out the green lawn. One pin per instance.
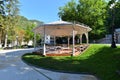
(98, 59)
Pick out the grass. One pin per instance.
(100, 60)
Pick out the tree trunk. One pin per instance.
(0, 41)
(6, 37)
(0, 38)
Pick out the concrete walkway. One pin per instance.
(13, 68)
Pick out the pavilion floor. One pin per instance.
(62, 51)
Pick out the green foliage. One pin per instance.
(90, 12)
(29, 34)
(36, 22)
(98, 59)
(27, 26)
(68, 12)
(13, 25)
(2, 8)
(10, 9)
(116, 14)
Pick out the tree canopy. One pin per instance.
(116, 14)
(13, 26)
(89, 12)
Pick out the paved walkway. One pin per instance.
(13, 68)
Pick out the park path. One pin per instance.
(13, 68)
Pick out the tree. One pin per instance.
(2, 13)
(117, 16)
(13, 26)
(113, 6)
(69, 11)
(1, 27)
(11, 11)
(26, 26)
(2, 7)
(36, 22)
(89, 12)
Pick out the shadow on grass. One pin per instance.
(102, 62)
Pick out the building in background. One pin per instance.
(117, 34)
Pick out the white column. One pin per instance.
(6, 38)
(73, 43)
(54, 41)
(68, 41)
(44, 48)
(80, 38)
(0, 37)
(34, 40)
(87, 40)
(73, 34)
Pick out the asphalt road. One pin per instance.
(13, 68)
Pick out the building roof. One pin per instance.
(61, 28)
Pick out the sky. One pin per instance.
(42, 10)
